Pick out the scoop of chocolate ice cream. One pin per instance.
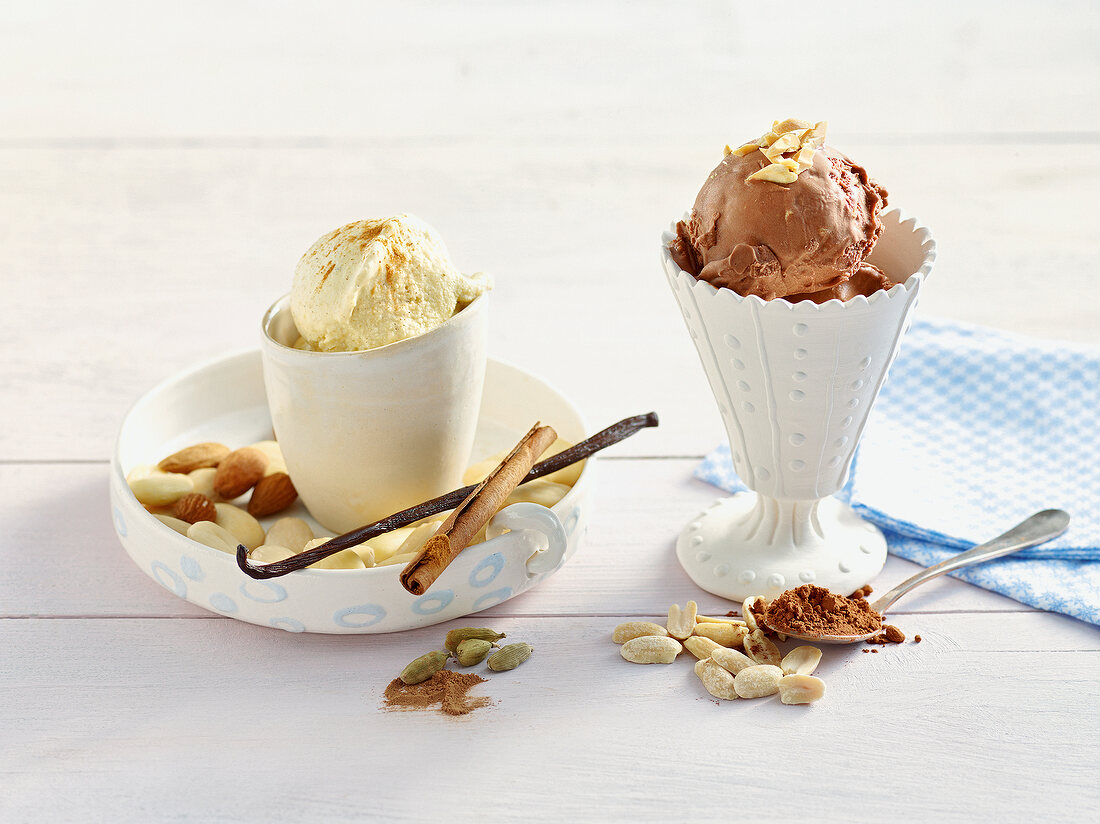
(771, 239)
(867, 280)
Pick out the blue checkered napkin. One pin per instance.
(973, 431)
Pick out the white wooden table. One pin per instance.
(164, 168)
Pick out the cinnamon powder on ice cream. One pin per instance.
(446, 688)
(813, 610)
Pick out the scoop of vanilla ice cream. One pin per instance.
(375, 282)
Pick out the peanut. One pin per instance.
(717, 681)
(651, 649)
(636, 629)
(731, 660)
(801, 661)
(758, 681)
(701, 647)
(761, 649)
(800, 689)
(681, 623)
(728, 635)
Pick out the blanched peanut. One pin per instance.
(681, 623)
(651, 649)
(758, 681)
(801, 660)
(717, 681)
(701, 648)
(761, 650)
(636, 629)
(731, 660)
(728, 635)
(800, 689)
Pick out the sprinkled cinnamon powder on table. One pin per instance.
(446, 688)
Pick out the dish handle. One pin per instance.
(538, 528)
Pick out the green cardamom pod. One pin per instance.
(457, 636)
(509, 657)
(424, 667)
(472, 651)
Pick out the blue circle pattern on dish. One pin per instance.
(120, 522)
(491, 599)
(374, 614)
(572, 521)
(289, 624)
(263, 592)
(168, 579)
(424, 606)
(487, 570)
(190, 567)
(222, 602)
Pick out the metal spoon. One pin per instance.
(1038, 529)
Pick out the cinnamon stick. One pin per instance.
(455, 533)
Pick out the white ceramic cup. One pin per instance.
(368, 433)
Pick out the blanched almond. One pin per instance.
(293, 533)
(214, 536)
(161, 488)
(243, 526)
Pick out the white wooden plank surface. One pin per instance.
(633, 69)
(219, 721)
(164, 168)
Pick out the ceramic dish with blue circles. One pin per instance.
(224, 401)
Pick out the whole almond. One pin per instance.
(194, 457)
(272, 493)
(194, 508)
(239, 471)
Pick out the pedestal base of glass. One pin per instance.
(751, 544)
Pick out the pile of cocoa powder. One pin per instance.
(447, 688)
(813, 610)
